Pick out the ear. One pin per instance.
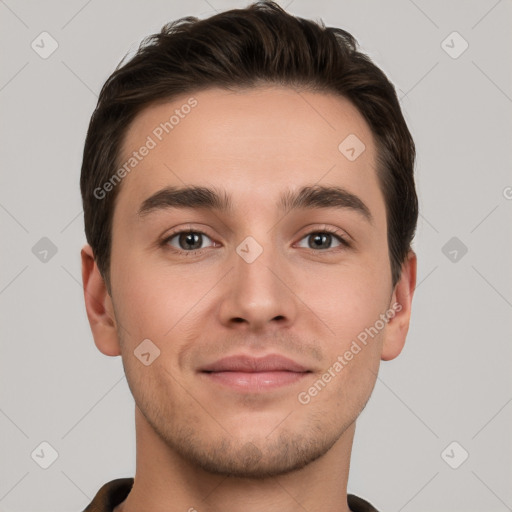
(401, 301)
(98, 303)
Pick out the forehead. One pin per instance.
(255, 142)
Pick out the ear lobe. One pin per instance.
(99, 307)
(401, 301)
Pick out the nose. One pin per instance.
(259, 292)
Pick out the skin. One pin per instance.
(200, 444)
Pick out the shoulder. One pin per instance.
(357, 504)
(110, 494)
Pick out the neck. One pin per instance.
(166, 482)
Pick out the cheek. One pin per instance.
(351, 306)
(158, 301)
(347, 300)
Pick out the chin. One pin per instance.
(258, 459)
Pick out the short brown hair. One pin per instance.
(240, 48)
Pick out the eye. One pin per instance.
(323, 240)
(187, 240)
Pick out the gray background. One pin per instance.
(452, 381)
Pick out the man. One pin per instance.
(249, 205)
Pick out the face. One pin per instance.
(268, 296)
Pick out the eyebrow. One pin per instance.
(316, 196)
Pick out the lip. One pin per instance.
(253, 374)
(249, 364)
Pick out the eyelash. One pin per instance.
(332, 231)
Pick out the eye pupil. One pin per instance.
(190, 240)
(320, 240)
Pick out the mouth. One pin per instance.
(251, 374)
